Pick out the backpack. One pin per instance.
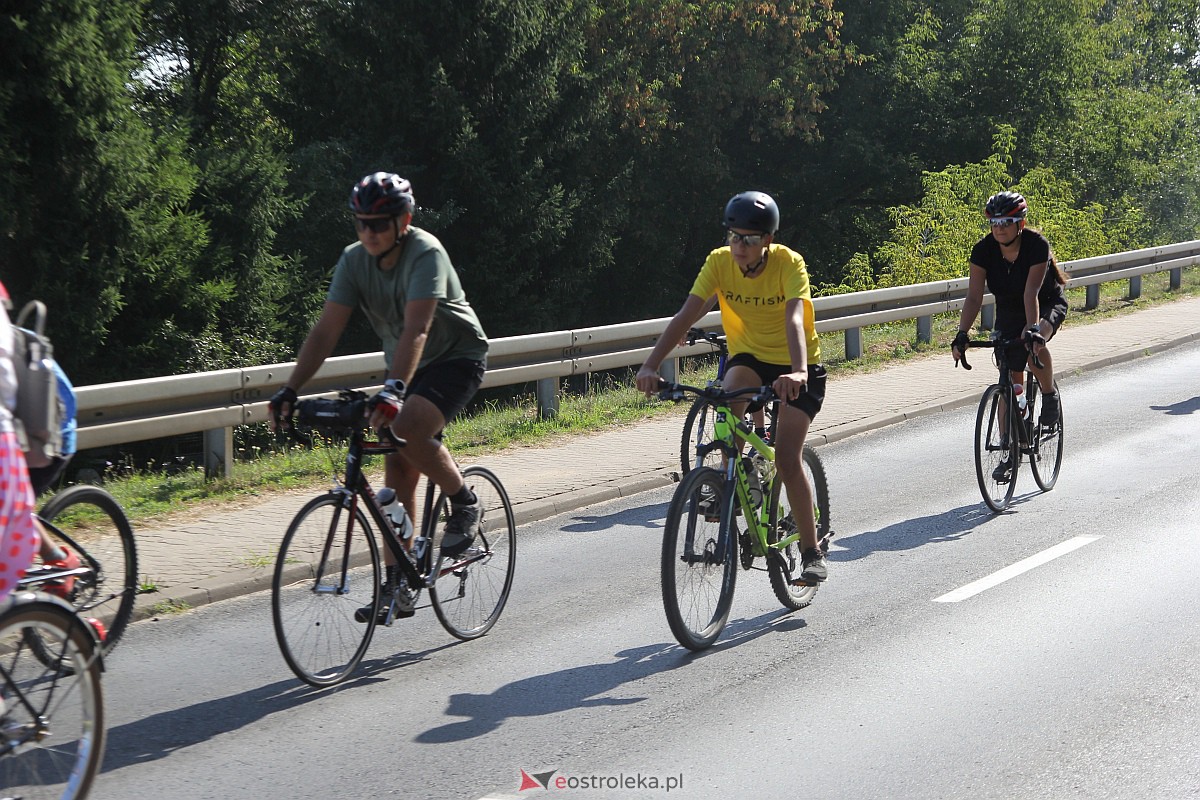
(42, 409)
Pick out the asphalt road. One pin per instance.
(1073, 678)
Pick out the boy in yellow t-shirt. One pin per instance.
(770, 327)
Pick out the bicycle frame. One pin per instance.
(758, 519)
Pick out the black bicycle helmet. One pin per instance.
(752, 211)
(382, 193)
(1006, 204)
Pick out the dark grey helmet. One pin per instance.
(752, 211)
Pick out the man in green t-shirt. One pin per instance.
(435, 348)
(770, 326)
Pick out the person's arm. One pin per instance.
(789, 385)
(418, 318)
(687, 316)
(319, 343)
(1033, 312)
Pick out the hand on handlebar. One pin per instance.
(280, 408)
(789, 386)
(648, 380)
(958, 349)
(384, 406)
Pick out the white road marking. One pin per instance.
(975, 587)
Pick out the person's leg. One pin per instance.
(791, 431)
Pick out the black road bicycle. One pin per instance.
(329, 567)
(1008, 428)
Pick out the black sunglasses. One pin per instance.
(375, 225)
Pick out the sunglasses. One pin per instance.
(1003, 222)
(373, 225)
(748, 239)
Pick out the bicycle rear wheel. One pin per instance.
(783, 564)
(471, 590)
(1046, 459)
(996, 446)
(89, 521)
(51, 714)
(698, 431)
(327, 568)
(699, 558)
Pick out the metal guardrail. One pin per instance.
(216, 402)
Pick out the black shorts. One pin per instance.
(1017, 353)
(449, 385)
(809, 402)
(42, 478)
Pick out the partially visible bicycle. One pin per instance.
(90, 523)
(328, 568)
(698, 429)
(51, 706)
(702, 543)
(1008, 428)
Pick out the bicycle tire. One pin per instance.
(52, 718)
(697, 584)
(101, 534)
(991, 449)
(312, 606)
(471, 590)
(1046, 458)
(697, 431)
(783, 566)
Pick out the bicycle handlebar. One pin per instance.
(715, 394)
(717, 340)
(346, 413)
(996, 344)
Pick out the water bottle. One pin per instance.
(396, 513)
(1019, 391)
(754, 478)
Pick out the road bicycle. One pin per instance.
(328, 566)
(51, 702)
(698, 423)
(1006, 408)
(102, 588)
(702, 543)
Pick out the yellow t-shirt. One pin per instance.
(752, 309)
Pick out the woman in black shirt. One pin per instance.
(1019, 270)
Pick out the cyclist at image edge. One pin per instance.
(18, 535)
(1031, 303)
(434, 345)
(770, 325)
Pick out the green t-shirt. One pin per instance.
(423, 271)
(752, 309)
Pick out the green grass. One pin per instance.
(609, 401)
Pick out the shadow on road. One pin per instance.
(1182, 408)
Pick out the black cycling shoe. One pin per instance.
(461, 529)
(1050, 410)
(405, 605)
(1003, 471)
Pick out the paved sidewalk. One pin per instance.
(229, 552)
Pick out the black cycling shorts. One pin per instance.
(449, 385)
(809, 402)
(1017, 353)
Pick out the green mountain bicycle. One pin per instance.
(703, 545)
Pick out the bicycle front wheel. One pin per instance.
(1048, 450)
(326, 570)
(471, 590)
(699, 558)
(89, 521)
(997, 447)
(51, 713)
(698, 431)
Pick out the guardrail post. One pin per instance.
(925, 329)
(1135, 287)
(1092, 299)
(547, 398)
(1177, 278)
(987, 317)
(853, 338)
(670, 370)
(218, 453)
